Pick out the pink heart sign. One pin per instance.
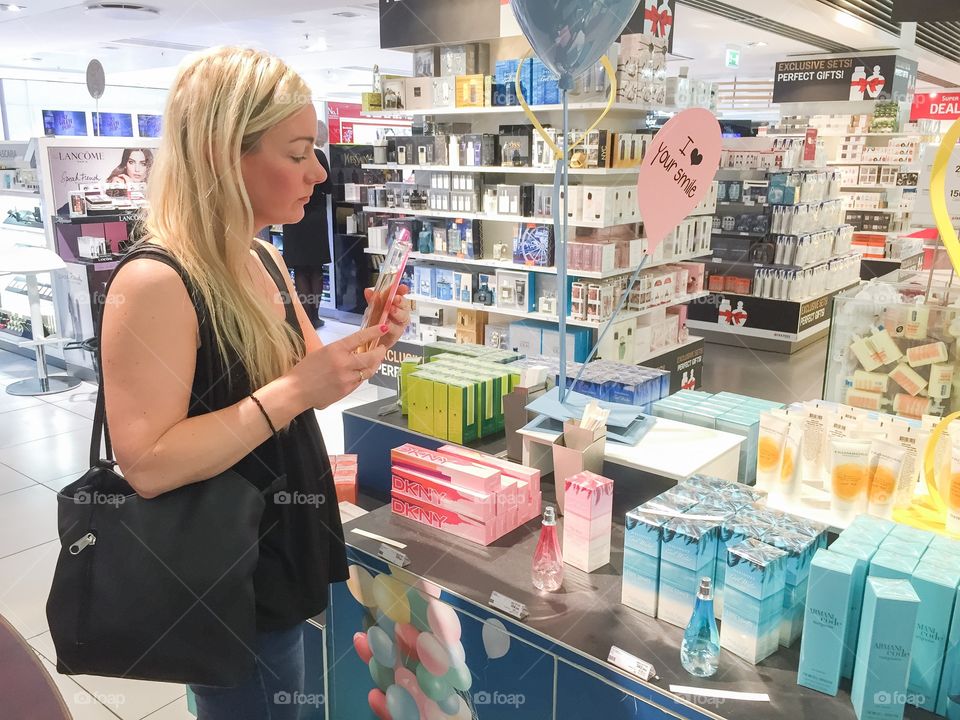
(677, 170)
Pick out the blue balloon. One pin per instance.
(386, 623)
(401, 704)
(569, 36)
(382, 676)
(382, 646)
(450, 704)
(418, 610)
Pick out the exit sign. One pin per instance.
(732, 58)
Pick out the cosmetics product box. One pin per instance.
(515, 150)
(753, 600)
(426, 62)
(394, 94)
(447, 521)
(505, 78)
(468, 59)
(516, 290)
(641, 581)
(936, 588)
(418, 93)
(598, 205)
(534, 245)
(884, 649)
(687, 553)
(529, 476)
(468, 475)
(416, 486)
(587, 521)
(862, 555)
(444, 92)
(895, 561)
(829, 595)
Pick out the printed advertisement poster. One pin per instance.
(71, 167)
(851, 78)
(922, 213)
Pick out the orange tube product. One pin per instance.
(928, 354)
(866, 400)
(870, 381)
(773, 437)
(849, 476)
(908, 379)
(909, 406)
(887, 349)
(886, 462)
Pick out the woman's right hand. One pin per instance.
(334, 371)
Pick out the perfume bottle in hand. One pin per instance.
(700, 651)
(548, 559)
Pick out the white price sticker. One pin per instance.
(511, 607)
(631, 663)
(393, 556)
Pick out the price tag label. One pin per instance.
(631, 663)
(393, 556)
(510, 607)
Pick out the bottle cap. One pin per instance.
(706, 589)
(549, 515)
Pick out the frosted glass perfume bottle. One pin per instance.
(700, 650)
(548, 558)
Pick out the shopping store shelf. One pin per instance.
(895, 163)
(489, 218)
(778, 266)
(654, 354)
(736, 233)
(550, 270)
(856, 188)
(493, 309)
(132, 216)
(19, 193)
(505, 170)
(843, 135)
(617, 108)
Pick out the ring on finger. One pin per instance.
(362, 377)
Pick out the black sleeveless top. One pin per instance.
(301, 537)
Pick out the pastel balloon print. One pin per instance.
(418, 609)
(457, 653)
(386, 623)
(401, 704)
(460, 677)
(431, 710)
(450, 704)
(435, 688)
(391, 597)
(382, 646)
(382, 676)
(569, 36)
(407, 635)
(360, 585)
(677, 171)
(444, 622)
(496, 641)
(378, 703)
(362, 646)
(433, 654)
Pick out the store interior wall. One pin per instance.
(24, 100)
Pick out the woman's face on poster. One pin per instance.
(136, 168)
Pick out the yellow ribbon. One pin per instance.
(607, 67)
(930, 512)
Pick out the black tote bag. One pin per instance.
(156, 589)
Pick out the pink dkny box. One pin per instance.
(444, 520)
(510, 469)
(586, 556)
(475, 477)
(426, 488)
(588, 495)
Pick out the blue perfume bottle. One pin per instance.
(700, 651)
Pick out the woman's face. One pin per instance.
(280, 172)
(136, 168)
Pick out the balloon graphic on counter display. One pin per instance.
(435, 688)
(407, 635)
(382, 676)
(459, 677)
(360, 585)
(362, 646)
(401, 704)
(677, 171)
(433, 654)
(450, 704)
(457, 653)
(418, 609)
(444, 622)
(496, 640)
(378, 703)
(382, 646)
(569, 36)
(391, 597)
(386, 623)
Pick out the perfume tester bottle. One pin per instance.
(548, 558)
(700, 650)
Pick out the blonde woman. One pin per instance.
(206, 349)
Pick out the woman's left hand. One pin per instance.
(399, 316)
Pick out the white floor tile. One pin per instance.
(35, 423)
(85, 391)
(11, 480)
(28, 518)
(82, 705)
(25, 580)
(130, 699)
(50, 458)
(84, 408)
(9, 402)
(177, 710)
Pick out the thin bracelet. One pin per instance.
(265, 416)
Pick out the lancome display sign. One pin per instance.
(73, 167)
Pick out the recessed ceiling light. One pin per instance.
(122, 11)
(32, 59)
(11, 8)
(347, 14)
(298, 22)
(757, 43)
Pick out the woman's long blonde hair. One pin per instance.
(220, 105)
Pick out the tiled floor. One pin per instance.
(44, 444)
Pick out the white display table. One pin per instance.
(30, 262)
(670, 449)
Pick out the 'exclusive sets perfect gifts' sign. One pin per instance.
(844, 78)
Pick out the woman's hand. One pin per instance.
(399, 316)
(334, 371)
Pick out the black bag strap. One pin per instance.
(100, 429)
(271, 266)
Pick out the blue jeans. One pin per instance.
(273, 692)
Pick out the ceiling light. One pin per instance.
(11, 8)
(347, 14)
(32, 59)
(848, 20)
(122, 11)
(756, 44)
(298, 22)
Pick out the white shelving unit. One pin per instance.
(508, 265)
(574, 107)
(493, 309)
(20, 193)
(508, 169)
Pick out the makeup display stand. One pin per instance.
(553, 663)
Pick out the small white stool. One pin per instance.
(31, 262)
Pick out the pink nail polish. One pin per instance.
(384, 328)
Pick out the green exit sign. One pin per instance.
(732, 58)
